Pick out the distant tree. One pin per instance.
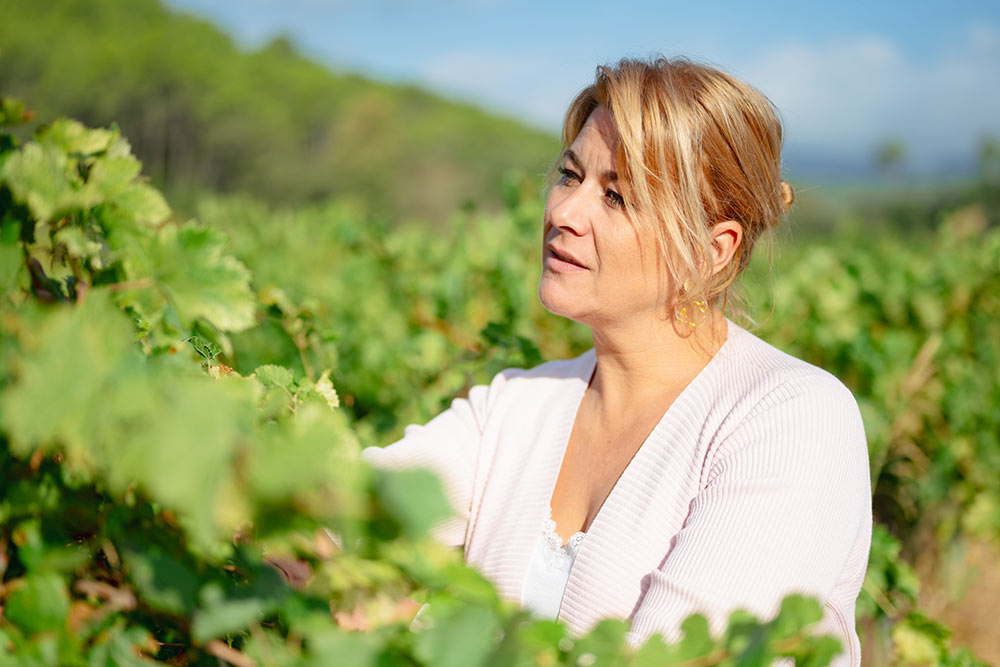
(282, 45)
(204, 114)
(890, 157)
(989, 159)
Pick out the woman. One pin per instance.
(682, 465)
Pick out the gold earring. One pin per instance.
(682, 314)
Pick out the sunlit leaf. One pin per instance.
(324, 386)
(414, 498)
(39, 603)
(200, 280)
(72, 137)
(275, 376)
(461, 638)
(41, 177)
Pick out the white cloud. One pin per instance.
(844, 98)
(839, 99)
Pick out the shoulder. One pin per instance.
(556, 373)
(788, 408)
(520, 388)
(767, 376)
(550, 377)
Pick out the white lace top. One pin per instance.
(549, 570)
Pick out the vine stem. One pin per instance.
(229, 654)
(301, 343)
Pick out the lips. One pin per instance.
(566, 256)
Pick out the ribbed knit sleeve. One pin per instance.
(787, 495)
(449, 446)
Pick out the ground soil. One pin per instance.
(963, 592)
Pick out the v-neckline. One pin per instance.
(574, 409)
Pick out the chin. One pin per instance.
(557, 301)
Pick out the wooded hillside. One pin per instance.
(203, 114)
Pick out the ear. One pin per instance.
(726, 238)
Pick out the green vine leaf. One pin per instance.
(42, 177)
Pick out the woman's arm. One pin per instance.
(449, 446)
(788, 496)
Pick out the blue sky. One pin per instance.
(845, 75)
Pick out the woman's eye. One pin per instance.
(614, 199)
(568, 175)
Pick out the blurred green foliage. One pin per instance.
(181, 403)
(148, 492)
(203, 114)
(156, 506)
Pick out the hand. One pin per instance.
(361, 620)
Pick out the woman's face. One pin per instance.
(593, 270)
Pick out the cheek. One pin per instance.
(636, 271)
(546, 218)
(622, 255)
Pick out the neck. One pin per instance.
(650, 361)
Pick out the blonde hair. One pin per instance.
(697, 147)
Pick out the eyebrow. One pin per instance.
(609, 175)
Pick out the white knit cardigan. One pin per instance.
(753, 485)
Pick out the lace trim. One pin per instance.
(554, 543)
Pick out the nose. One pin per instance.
(567, 211)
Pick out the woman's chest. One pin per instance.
(595, 459)
(643, 510)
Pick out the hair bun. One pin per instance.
(787, 195)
